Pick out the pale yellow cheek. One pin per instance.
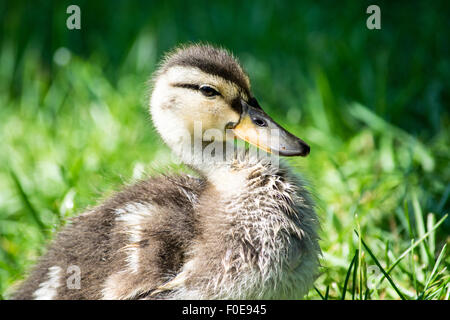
(209, 115)
(218, 116)
(230, 116)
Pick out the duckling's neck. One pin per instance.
(227, 167)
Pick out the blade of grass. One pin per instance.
(27, 203)
(432, 238)
(416, 243)
(347, 276)
(447, 295)
(420, 226)
(367, 294)
(443, 200)
(355, 271)
(435, 294)
(406, 212)
(413, 268)
(436, 266)
(317, 290)
(386, 255)
(362, 266)
(360, 258)
(437, 289)
(381, 267)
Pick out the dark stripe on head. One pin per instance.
(210, 60)
(186, 85)
(236, 105)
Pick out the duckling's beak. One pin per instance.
(256, 127)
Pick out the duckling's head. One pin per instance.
(201, 94)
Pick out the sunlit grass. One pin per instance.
(69, 141)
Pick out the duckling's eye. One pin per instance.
(208, 91)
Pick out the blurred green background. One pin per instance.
(373, 105)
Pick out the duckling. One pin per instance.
(244, 227)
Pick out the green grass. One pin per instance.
(72, 134)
